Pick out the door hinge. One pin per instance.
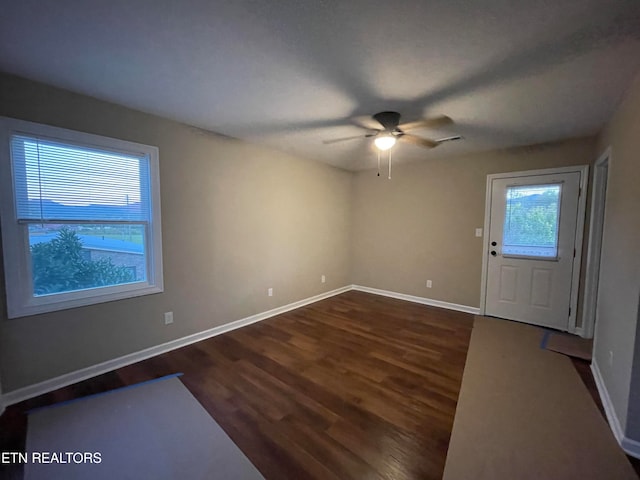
(580, 191)
(574, 253)
(569, 311)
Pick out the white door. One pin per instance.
(531, 245)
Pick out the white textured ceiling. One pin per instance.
(290, 73)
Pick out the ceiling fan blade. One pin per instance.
(426, 123)
(344, 139)
(421, 142)
(366, 122)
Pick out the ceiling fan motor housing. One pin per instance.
(389, 120)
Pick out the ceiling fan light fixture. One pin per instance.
(385, 142)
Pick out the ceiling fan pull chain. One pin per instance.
(389, 164)
(378, 162)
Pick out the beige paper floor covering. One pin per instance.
(571, 345)
(523, 413)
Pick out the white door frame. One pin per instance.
(594, 249)
(582, 202)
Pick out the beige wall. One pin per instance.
(236, 219)
(421, 224)
(619, 286)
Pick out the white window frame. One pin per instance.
(15, 238)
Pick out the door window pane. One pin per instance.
(531, 220)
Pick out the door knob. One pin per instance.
(493, 252)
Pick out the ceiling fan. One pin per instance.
(392, 131)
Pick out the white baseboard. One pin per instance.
(61, 381)
(631, 447)
(422, 300)
(614, 423)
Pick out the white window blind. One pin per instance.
(56, 181)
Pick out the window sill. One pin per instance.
(46, 304)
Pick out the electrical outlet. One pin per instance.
(429, 284)
(478, 232)
(323, 279)
(168, 318)
(270, 292)
(611, 358)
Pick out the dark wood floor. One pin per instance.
(356, 386)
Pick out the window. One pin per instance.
(80, 218)
(531, 221)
